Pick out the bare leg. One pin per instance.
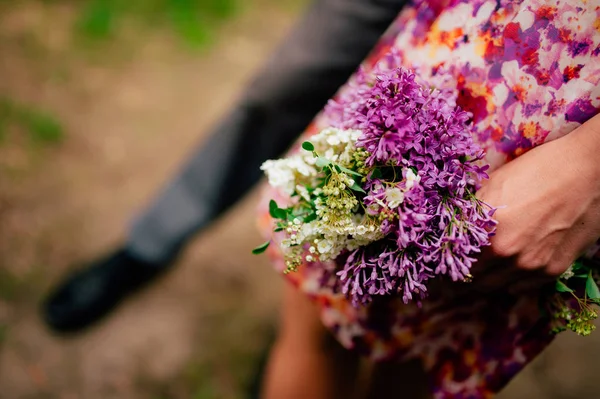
(306, 362)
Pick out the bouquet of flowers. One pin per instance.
(383, 200)
(387, 193)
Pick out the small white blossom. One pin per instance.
(333, 140)
(324, 246)
(306, 231)
(394, 197)
(411, 179)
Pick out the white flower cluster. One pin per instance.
(328, 241)
(337, 226)
(283, 173)
(337, 145)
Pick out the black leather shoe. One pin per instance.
(89, 294)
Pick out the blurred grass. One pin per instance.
(193, 21)
(41, 126)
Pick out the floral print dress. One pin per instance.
(528, 71)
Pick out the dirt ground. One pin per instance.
(132, 112)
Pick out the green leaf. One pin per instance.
(308, 146)
(276, 212)
(358, 188)
(346, 170)
(278, 229)
(322, 162)
(376, 174)
(273, 208)
(281, 214)
(562, 287)
(261, 248)
(591, 289)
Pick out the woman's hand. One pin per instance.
(549, 214)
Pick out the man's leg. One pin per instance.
(321, 53)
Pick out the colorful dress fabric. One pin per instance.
(528, 71)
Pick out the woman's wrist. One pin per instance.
(582, 149)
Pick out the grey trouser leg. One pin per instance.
(318, 57)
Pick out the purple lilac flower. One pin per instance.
(440, 226)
